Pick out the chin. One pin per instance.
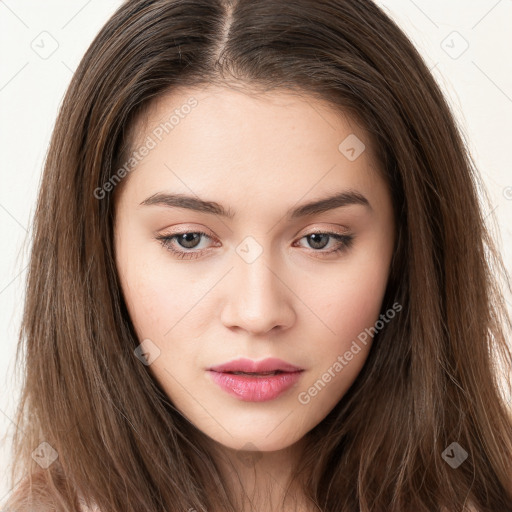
(256, 440)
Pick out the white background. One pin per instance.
(478, 84)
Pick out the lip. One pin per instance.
(257, 387)
(270, 364)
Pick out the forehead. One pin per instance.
(242, 145)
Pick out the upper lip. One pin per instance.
(250, 366)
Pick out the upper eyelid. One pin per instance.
(342, 231)
(203, 233)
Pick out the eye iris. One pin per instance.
(312, 238)
(188, 238)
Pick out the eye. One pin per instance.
(180, 244)
(185, 240)
(319, 240)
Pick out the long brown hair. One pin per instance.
(432, 376)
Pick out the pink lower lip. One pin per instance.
(255, 389)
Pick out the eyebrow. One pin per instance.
(345, 198)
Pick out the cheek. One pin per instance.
(350, 308)
(158, 301)
(352, 300)
(157, 291)
(142, 300)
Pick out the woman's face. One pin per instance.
(273, 276)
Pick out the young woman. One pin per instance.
(260, 276)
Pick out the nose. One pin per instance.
(257, 298)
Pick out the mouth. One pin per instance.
(249, 366)
(257, 374)
(255, 381)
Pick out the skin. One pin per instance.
(258, 156)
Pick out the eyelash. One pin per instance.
(345, 242)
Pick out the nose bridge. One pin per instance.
(257, 298)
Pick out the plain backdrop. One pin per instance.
(466, 43)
